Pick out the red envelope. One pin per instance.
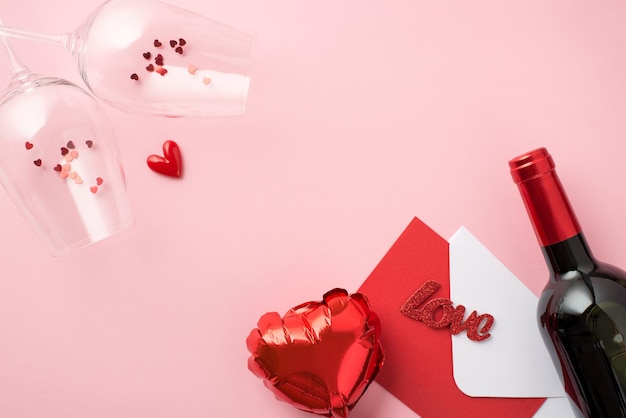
(418, 359)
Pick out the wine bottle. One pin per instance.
(582, 309)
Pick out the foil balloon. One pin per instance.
(320, 356)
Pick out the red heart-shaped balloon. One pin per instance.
(321, 356)
(170, 164)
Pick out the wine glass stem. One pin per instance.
(15, 65)
(61, 40)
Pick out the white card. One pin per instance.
(514, 361)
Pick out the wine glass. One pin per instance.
(149, 57)
(59, 161)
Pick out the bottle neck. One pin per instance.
(569, 255)
(543, 195)
(549, 209)
(555, 224)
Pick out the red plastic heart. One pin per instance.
(321, 356)
(170, 164)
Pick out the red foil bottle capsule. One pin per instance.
(548, 207)
(582, 309)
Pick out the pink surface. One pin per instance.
(361, 116)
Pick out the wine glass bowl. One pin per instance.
(149, 57)
(59, 162)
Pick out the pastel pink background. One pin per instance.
(361, 115)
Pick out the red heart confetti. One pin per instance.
(58, 168)
(99, 181)
(37, 162)
(182, 42)
(321, 356)
(147, 55)
(93, 189)
(179, 50)
(64, 151)
(70, 145)
(170, 164)
(28, 145)
(89, 143)
(158, 60)
(157, 43)
(134, 76)
(173, 43)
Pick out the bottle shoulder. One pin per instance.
(571, 299)
(600, 274)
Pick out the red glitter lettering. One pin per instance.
(477, 326)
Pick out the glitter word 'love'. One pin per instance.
(477, 326)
